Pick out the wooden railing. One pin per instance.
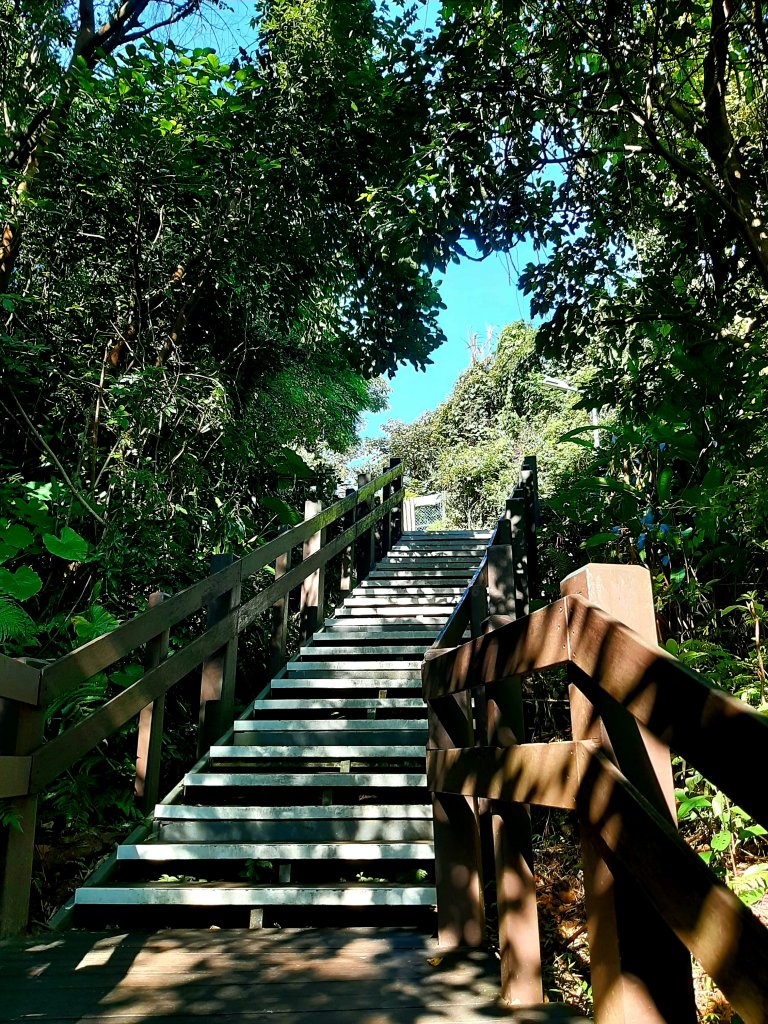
(29, 763)
(651, 900)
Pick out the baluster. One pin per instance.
(149, 743)
(529, 482)
(278, 635)
(640, 971)
(217, 684)
(511, 823)
(458, 858)
(312, 604)
(365, 549)
(23, 725)
(346, 580)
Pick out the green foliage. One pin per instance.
(499, 410)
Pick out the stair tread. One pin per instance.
(317, 752)
(324, 780)
(382, 812)
(244, 894)
(244, 725)
(420, 849)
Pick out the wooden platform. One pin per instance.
(357, 976)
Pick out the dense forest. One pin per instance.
(209, 261)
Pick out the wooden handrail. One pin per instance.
(707, 726)
(620, 674)
(36, 763)
(19, 681)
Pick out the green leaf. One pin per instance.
(69, 545)
(17, 536)
(22, 584)
(598, 539)
(96, 622)
(672, 647)
(721, 840)
(127, 676)
(695, 803)
(664, 485)
(286, 515)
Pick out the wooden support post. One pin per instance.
(217, 686)
(312, 604)
(347, 571)
(386, 522)
(149, 745)
(365, 548)
(529, 482)
(19, 845)
(458, 860)
(501, 572)
(511, 823)
(515, 512)
(640, 971)
(278, 633)
(396, 515)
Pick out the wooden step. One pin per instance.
(316, 752)
(306, 780)
(400, 629)
(415, 613)
(232, 894)
(410, 668)
(352, 823)
(163, 851)
(345, 682)
(408, 705)
(257, 727)
(364, 649)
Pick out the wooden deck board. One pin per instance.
(354, 976)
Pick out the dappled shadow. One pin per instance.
(649, 894)
(356, 976)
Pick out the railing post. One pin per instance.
(529, 482)
(396, 516)
(347, 569)
(217, 685)
(25, 726)
(365, 548)
(278, 633)
(640, 971)
(515, 512)
(386, 522)
(500, 577)
(511, 823)
(458, 857)
(150, 738)
(313, 587)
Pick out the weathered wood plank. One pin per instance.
(73, 668)
(58, 754)
(725, 936)
(14, 775)
(530, 773)
(527, 645)
(707, 726)
(19, 681)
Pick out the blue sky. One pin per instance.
(476, 295)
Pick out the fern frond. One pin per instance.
(15, 624)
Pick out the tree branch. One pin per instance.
(53, 457)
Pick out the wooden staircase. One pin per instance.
(315, 803)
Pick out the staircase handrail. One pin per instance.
(631, 701)
(29, 763)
